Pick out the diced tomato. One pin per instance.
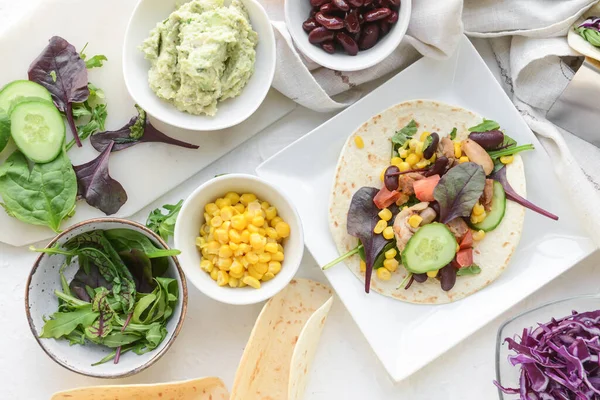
(464, 258)
(467, 240)
(424, 188)
(385, 198)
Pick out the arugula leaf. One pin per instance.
(472, 270)
(62, 324)
(164, 224)
(453, 134)
(458, 191)
(486, 125)
(96, 61)
(116, 339)
(42, 195)
(404, 134)
(90, 115)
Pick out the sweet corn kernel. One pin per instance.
(210, 208)
(261, 267)
(254, 273)
(478, 209)
(271, 213)
(241, 283)
(222, 278)
(233, 197)
(227, 213)
(233, 246)
(403, 153)
(239, 208)
(200, 242)
(432, 274)
(478, 235)
(216, 222)
(206, 265)
(258, 221)
(359, 142)
(382, 175)
(264, 258)
(380, 226)
(383, 274)
(271, 248)
(463, 159)
(275, 221)
(396, 161)
(274, 267)
(222, 203)
(419, 149)
(257, 241)
(475, 219)
(237, 269)
(391, 264)
(251, 281)
(267, 277)
(415, 220)
(213, 247)
(363, 266)
(507, 159)
(238, 222)
(457, 150)
(277, 256)
(422, 164)
(221, 235)
(283, 229)
(385, 214)
(252, 229)
(234, 236)
(244, 248)
(391, 253)
(264, 205)
(252, 257)
(404, 166)
(224, 264)
(247, 198)
(412, 143)
(388, 233)
(280, 247)
(225, 251)
(233, 282)
(214, 274)
(412, 159)
(245, 236)
(424, 136)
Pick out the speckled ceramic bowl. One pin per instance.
(41, 302)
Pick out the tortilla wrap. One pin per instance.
(194, 389)
(362, 167)
(277, 358)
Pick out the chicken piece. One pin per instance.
(406, 181)
(458, 227)
(402, 229)
(488, 193)
(446, 148)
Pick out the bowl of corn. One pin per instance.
(240, 238)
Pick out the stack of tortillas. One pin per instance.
(274, 365)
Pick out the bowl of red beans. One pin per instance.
(347, 35)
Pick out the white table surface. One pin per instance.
(214, 334)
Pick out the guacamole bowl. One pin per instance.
(184, 109)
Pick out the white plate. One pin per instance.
(405, 336)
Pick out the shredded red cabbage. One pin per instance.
(591, 23)
(559, 359)
(511, 194)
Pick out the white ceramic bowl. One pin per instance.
(297, 11)
(191, 218)
(231, 111)
(40, 302)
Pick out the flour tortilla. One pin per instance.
(362, 167)
(282, 344)
(194, 389)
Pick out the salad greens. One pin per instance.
(472, 270)
(403, 135)
(590, 31)
(459, 190)
(164, 224)
(90, 115)
(486, 125)
(116, 299)
(42, 195)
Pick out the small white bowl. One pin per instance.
(41, 302)
(191, 218)
(297, 11)
(231, 111)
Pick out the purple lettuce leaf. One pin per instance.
(97, 187)
(61, 70)
(458, 191)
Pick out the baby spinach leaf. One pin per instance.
(62, 324)
(471, 270)
(137, 130)
(44, 195)
(164, 224)
(404, 134)
(486, 125)
(4, 130)
(458, 191)
(97, 187)
(68, 84)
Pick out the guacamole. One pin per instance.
(203, 53)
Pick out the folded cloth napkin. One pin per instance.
(529, 42)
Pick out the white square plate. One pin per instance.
(405, 336)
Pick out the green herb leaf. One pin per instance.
(496, 154)
(356, 250)
(62, 324)
(164, 224)
(126, 239)
(453, 134)
(486, 125)
(44, 195)
(404, 134)
(472, 270)
(96, 61)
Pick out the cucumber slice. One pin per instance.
(496, 214)
(20, 89)
(432, 247)
(38, 130)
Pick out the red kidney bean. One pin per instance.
(341, 4)
(320, 35)
(384, 27)
(329, 8)
(361, 19)
(329, 22)
(377, 14)
(394, 3)
(318, 3)
(367, 3)
(383, 3)
(347, 43)
(328, 46)
(313, 11)
(391, 178)
(368, 36)
(310, 24)
(352, 21)
(355, 3)
(393, 18)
